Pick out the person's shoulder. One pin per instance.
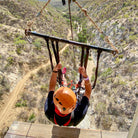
(85, 98)
(50, 93)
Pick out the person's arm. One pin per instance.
(88, 87)
(53, 79)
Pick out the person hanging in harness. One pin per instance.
(61, 106)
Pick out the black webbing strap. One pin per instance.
(50, 55)
(96, 71)
(81, 62)
(57, 47)
(56, 54)
(86, 58)
(54, 50)
(63, 2)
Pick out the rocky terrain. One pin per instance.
(113, 101)
(115, 97)
(17, 56)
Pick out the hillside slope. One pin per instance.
(115, 97)
(17, 55)
(116, 94)
(114, 100)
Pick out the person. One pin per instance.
(61, 106)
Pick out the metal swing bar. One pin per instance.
(28, 33)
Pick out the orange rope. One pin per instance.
(106, 37)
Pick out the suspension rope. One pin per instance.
(63, 2)
(96, 71)
(30, 23)
(106, 37)
(54, 50)
(57, 48)
(81, 64)
(50, 55)
(56, 54)
(69, 2)
(86, 58)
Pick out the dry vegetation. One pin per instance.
(114, 99)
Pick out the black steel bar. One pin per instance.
(71, 42)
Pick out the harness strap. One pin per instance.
(50, 55)
(57, 48)
(56, 54)
(86, 59)
(81, 64)
(63, 2)
(96, 71)
(54, 50)
(58, 60)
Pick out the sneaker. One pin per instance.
(64, 70)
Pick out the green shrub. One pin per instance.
(37, 44)
(32, 117)
(133, 37)
(126, 15)
(21, 103)
(19, 41)
(102, 36)
(121, 82)
(93, 78)
(120, 56)
(117, 60)
(107, 72)
(93, 35)
(10, 60)
(106, 122)
(44, 88)
(100, 107)
(18, 50)
(83, 36)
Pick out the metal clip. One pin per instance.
(27, 36)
